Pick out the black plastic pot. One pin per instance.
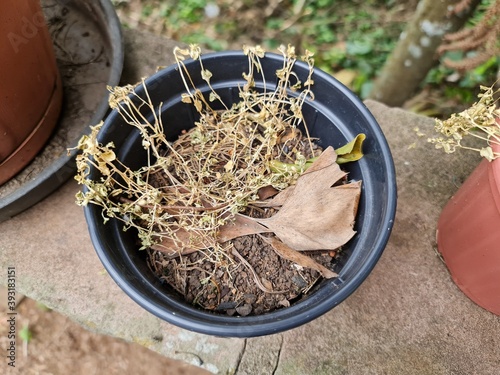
(335, 117)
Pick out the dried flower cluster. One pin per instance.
(481, 120)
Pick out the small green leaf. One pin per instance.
(351, 151)
(25, 334)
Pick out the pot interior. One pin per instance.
(335, 117)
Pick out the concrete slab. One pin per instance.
(407, 318)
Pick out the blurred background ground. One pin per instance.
(58, 346)
(351, 39)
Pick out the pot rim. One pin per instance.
(494, 175)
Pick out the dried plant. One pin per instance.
(481, 120)
(214, 183)
(211, 172)
(484, 38)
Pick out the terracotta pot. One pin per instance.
(468, 236)
(31, 89)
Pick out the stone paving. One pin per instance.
(408, 317)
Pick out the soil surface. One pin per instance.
(61, 347)
(235, 291)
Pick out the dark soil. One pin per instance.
(232, 289)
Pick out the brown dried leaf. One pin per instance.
(314, 215)
(185, 243)
(241, 226)
(317, 215)
(302, 260)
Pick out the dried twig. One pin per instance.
(254, 274)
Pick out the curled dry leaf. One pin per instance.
(185, 243)
(302, 260)
(314, 213)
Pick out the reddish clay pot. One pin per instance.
(30, 86)
(468, 236)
